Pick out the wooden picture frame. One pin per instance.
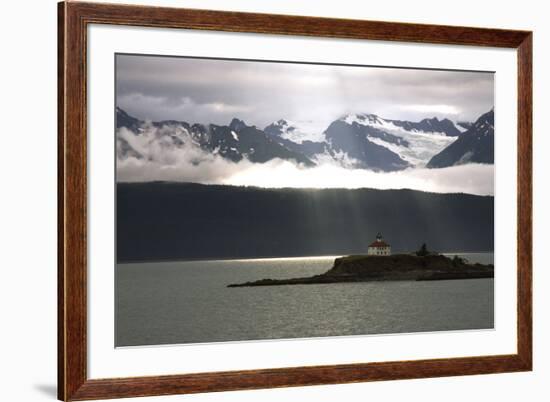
(73, 381)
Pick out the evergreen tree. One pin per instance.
(423, 251)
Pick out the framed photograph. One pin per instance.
(253, 201)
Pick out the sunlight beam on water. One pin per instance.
(275, 259)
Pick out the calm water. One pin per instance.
(187, 302)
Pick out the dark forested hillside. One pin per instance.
(164, 221)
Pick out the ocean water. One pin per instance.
(189, 302)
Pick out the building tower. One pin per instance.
(379, 246)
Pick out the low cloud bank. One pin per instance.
(472, 179)
(188, 164)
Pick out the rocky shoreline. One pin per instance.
(399, 267)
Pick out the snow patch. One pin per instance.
(467, 157)
(385, 125)
(301, 130)
(422, 145)
(459, 127)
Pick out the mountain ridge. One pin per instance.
(356, 141)
(476, 145)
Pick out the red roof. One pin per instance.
(379, 244)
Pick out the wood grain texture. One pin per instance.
(296, 25)
(525, 202)
(60, 202)
(72, 200)
(74, 18)
(298, 376)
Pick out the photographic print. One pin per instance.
(262, 200)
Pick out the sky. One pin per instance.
(214, 91)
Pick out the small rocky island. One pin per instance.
(420, 266)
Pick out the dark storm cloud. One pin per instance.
(215, 91)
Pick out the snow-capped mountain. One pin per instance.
(297, 132)
(414, 142)
(158, 140)
(359, 141)
(476, 145)
(368, 141)
(357, 147)
(426, 126)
